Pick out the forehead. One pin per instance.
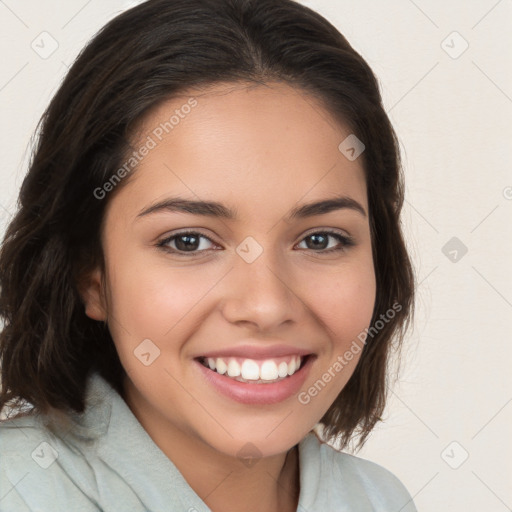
(270, 144)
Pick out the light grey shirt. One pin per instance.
(108, 462)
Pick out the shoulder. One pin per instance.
(33, 463)
(362, 482)
(382, 486)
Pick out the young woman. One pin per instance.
(206, 273)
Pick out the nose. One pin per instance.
(261, 294)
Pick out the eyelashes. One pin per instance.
(186, 239)
(344, 241)
(190, 243)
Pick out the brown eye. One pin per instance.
(186, 242)
(321, 242)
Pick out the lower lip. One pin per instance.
(252, 393)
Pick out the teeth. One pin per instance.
(269, 370)
(251, 370)
(283, 369)
(220, 366)
(291, 367)
(233, 368)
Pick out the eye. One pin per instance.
(320, 241)
(186, 242)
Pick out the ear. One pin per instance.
(92, 294)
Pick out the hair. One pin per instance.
(143, 57)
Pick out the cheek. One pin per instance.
(344, 301)
(149, 300)
(344, 304)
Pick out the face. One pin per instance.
(212, 304)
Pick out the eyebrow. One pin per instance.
(215, 209)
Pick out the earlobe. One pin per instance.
(90, 290)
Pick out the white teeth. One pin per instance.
(291, 367)
(233, 368)
(283, 369)
(250, 370)
(220, 366)
(268, 370)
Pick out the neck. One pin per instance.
(223, 482)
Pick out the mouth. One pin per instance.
(256, 381)
(254, 371)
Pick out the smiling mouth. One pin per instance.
(253, 371)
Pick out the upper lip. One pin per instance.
(257, 351)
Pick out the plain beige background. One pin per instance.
(446, 78)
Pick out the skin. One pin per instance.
(261, 150)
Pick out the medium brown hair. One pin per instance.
(147, 55)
